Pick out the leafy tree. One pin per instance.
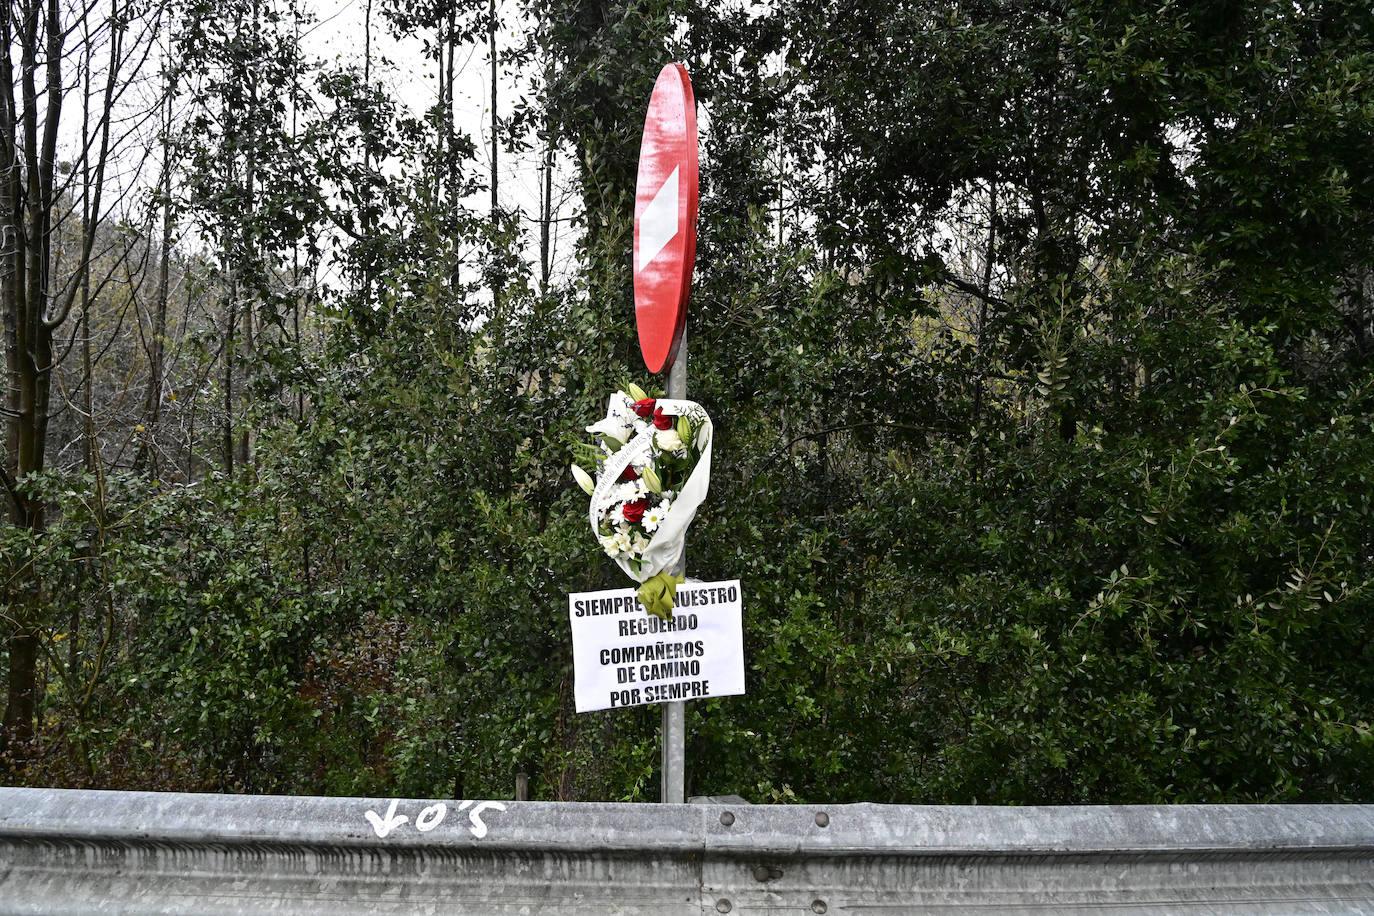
(1038, 343)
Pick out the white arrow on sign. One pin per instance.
(658, 223)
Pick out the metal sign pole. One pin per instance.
(665, 245)
(675, 713)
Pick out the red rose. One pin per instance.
(644, 408)
(629, 473)
(634, 511)
(663, 420)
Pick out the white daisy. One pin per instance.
(626, 491)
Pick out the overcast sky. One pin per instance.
(410, 77)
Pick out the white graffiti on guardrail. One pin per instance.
(429, 817)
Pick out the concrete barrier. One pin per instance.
(67, 851)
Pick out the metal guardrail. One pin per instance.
(64, 851)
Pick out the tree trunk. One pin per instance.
(495, 124)
(28, 205)
(980, 380)
(250, 252)
(152, 398)
(546, 220)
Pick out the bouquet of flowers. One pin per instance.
(646, 474)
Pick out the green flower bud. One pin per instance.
(658, 592)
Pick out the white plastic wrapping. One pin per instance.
(669, 540)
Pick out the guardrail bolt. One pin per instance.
(767, 872)
(822, 819)
(727, 818)
(818, 906)
(723, 905)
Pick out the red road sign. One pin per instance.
(666, 217)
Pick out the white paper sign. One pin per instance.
(623, 656)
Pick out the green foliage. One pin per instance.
(1042, 371)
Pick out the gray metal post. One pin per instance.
(675, 714)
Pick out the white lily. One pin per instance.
(617, 428)
(622, 405)
(584, 480)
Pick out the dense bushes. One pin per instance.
(1044, 447)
